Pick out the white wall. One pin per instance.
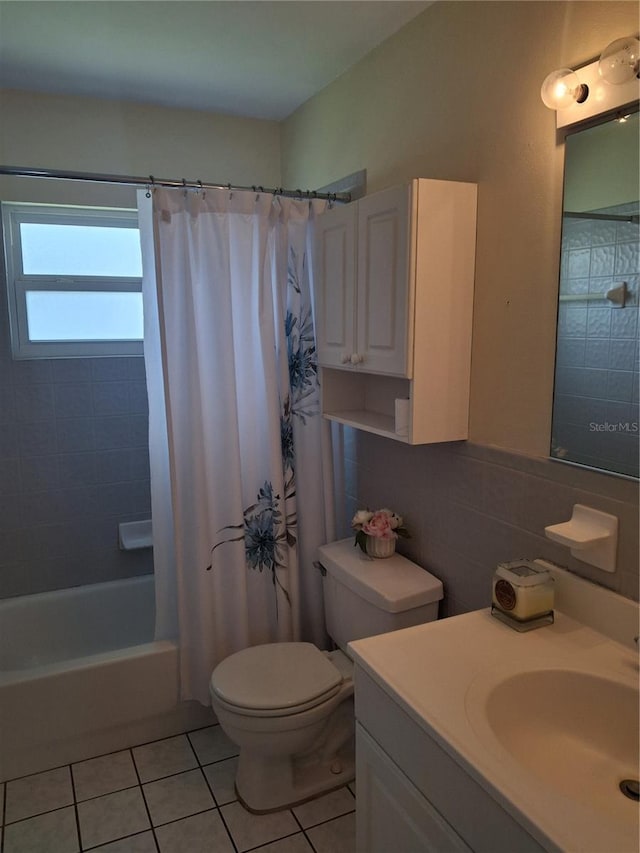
(122, 138)
(456, 94)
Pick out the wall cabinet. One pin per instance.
(394, 276)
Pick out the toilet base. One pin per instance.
(307, 781)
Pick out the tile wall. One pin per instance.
(469, 507)
(74, 462)
(597, 364)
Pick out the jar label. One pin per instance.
(505, 595)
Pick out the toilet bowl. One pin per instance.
(281, 704)
(289, 706)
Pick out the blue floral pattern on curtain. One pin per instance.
(269, 525)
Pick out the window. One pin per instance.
(74, 279)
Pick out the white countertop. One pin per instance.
(440, 674)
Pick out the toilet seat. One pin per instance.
(275, 679)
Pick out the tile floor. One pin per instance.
(170, 796)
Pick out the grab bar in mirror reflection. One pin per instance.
(618, 296)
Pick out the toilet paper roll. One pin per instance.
(402, 416)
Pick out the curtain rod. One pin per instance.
(129, 180)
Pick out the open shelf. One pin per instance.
(370, 421)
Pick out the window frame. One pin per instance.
(18, 283)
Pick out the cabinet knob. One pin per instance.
(345, 358)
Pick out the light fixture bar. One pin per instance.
(603, 97)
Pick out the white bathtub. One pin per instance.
(81, 675)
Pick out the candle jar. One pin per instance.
(522, 595)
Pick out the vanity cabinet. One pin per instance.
(394, 276)
(412, 796)
(394, 815)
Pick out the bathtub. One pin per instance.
(81, 675)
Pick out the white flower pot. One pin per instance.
(380, 548)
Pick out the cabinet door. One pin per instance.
(334, 285)
(391, 814)
(383, 292)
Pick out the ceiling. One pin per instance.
(253, 58)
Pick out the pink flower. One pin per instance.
(379, 525)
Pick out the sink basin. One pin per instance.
(577, 731)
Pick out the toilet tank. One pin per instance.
(364, 596)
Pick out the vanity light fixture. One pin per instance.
(610, 83)
(620, 61)
(562, 88)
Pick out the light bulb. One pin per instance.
(620, 60)
(562, 88)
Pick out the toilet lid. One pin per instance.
(275, 676)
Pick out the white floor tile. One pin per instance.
(335, 836)
(292, 844)
(112, 816)
(39, 793)
(250, 830)
(164, 757)
(212, 744)
(177, 796)
(141, 843)
(54, 832)
(103, 775)
(222, 777)
(202, 833)
(326, 807)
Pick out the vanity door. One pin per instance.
(391, 814)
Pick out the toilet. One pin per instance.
(289, 706)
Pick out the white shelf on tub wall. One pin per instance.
(135, 535)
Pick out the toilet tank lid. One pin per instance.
(393, 584)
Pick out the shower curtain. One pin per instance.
(240, 458)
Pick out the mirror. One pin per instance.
(595, 403)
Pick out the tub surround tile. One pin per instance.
(163, 758)
(112, 816)
(325, 808)
(141, 843)
(335, 836)
(201, 833)
(42, 792)
(104, 775)
(221, 777)
(212, 744)
(177, 796)
(54, 832)
(251, 830)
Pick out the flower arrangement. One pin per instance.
(381, 524)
